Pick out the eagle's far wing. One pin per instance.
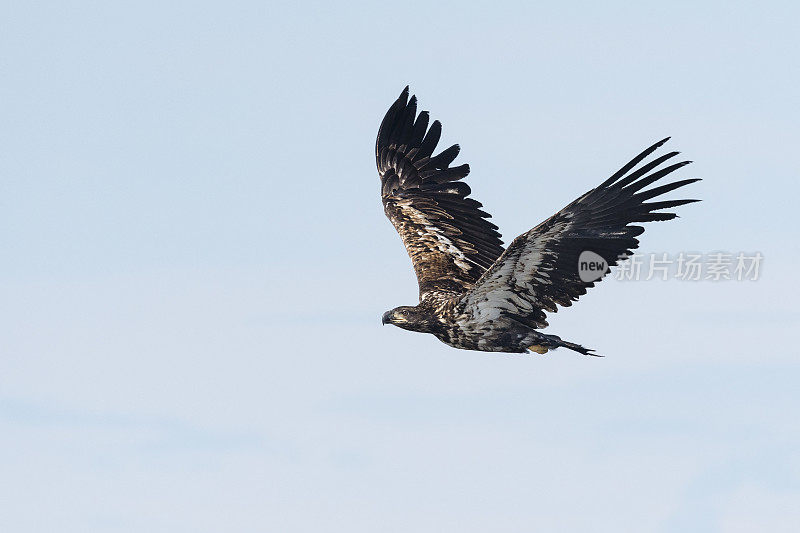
(539, 270)
(446, 234)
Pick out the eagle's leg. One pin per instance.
(544, 343)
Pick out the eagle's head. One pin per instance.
(410, 318)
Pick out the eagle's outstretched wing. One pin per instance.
(446, 234)
(539, 270)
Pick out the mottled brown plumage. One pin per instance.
(474, 294)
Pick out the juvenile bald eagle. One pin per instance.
(473, 293)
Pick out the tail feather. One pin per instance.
(578, 348)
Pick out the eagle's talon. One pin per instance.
(538, 348)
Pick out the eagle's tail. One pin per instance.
(551, 342)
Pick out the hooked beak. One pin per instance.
(386, 318)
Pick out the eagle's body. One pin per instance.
(474, 294)
(453, 323)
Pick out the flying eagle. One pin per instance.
(473, 293)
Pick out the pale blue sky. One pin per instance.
(196, 261)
